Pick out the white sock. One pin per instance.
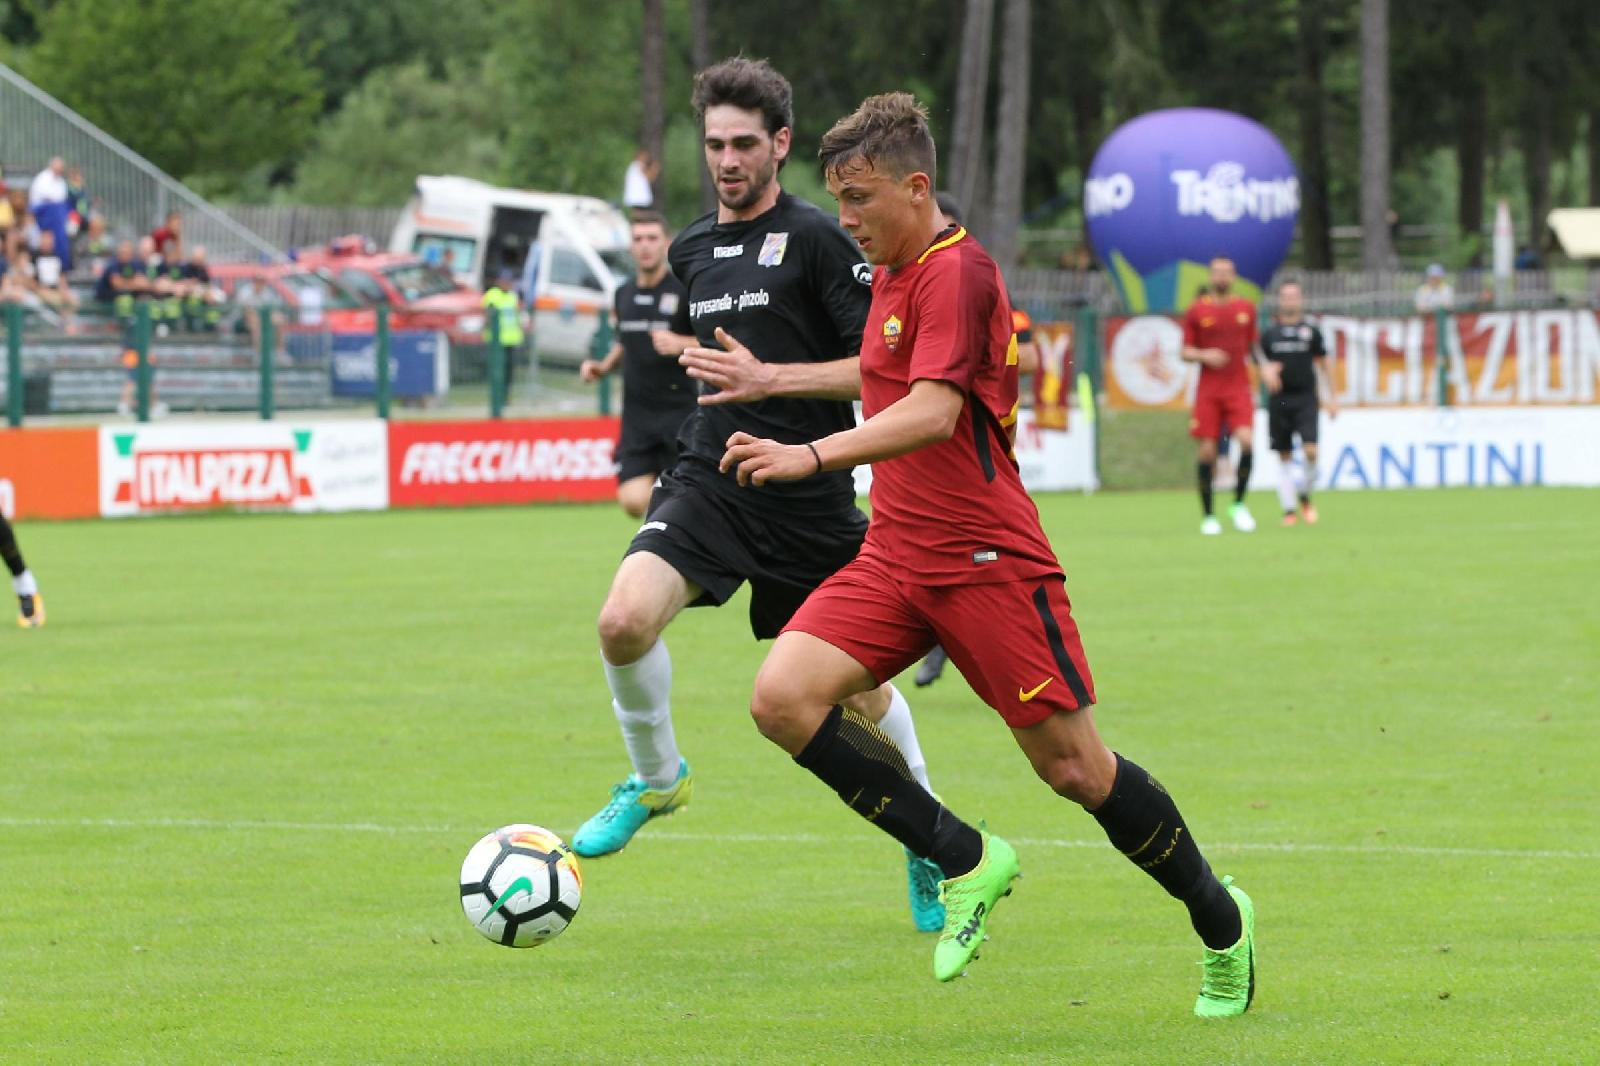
(1286, 493)
(1308, 477)
(896, 722)
(25, 584)
(641, 695)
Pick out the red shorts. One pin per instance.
(1214, 409)
(1015, 642)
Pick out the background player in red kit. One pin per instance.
(1219, 333)
(954, 554)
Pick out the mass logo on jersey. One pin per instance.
(863, 273)
(772, 249)
(1243, 318)
(891, 332)
(669, 304)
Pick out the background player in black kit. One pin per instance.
(651, 318)
(777, 284)
(1295, 368)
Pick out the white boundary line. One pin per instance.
(246, 825)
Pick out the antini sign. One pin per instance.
(1170, 189)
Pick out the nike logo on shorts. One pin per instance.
(1034, 691)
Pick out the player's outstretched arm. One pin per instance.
(740, 377)
(927, 415)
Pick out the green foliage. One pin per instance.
(574, 115)
(197, 86)
(402, 122)
(348, 40)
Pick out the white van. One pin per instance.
(476, 230)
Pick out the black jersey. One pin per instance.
(792, 287)
(1294, 347)
(651, 382)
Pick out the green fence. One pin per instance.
(146, 358)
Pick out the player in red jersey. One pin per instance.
(954, 554)
(1219, 333)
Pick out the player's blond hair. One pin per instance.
(888, 132)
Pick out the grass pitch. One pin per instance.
(242, 763)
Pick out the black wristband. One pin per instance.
(817, 457)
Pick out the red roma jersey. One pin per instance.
(954, 512)
(1227, 324)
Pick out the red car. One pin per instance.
(308, 299)
(419, 295)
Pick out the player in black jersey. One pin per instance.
(651, 318)
(778, 285)
(30, 605)
(1295, 367)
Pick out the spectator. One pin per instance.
(1435, 293)
(50, 278)
(121, 283)
(638, 182)
(168, 238)
(8, 214)
(95, 244)
(503, 319)
(11, 234)
(1527, 259)
(47, 199)
(201, 298)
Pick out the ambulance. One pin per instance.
(475, 230)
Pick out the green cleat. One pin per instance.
(969, 900)
(632, 804)
(1229, 983)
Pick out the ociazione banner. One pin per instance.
(1489, 359)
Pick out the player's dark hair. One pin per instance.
(949, 206)
(750, 84)
(645, 217)
(1220, 257)
(888, 132)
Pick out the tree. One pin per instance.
(700, 58)
(1316, 219)
(1011, 132)
(197, 86)
(573, 109)
(652, 74)
(1377, 252)
(401, 122)
(971, 95)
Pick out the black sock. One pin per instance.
(1207, 471)
(1143, 823)
(857, 760)
(9, 550)
(1242, 478)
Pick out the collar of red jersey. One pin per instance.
(944, 240)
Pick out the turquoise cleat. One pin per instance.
(922, 883)
(632, 804)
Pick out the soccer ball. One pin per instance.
(520, 886)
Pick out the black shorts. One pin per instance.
(719, 547)
(1292, 414)
(649, 444)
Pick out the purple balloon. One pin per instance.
(1171, 189)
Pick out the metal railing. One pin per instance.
(130, 191)
(296, 226)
